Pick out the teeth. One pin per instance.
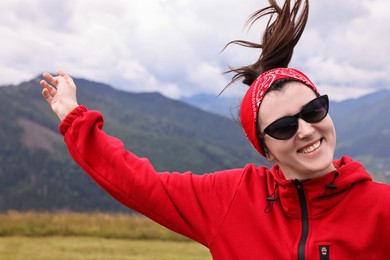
(311, 148)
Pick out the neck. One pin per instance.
(306, 175)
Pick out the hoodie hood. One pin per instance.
(322, 194)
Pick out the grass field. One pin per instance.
(61, 236)
(80, 248)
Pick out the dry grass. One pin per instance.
(77, 248)
(69, 235)
(104, 225)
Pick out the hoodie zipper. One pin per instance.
(305, 219)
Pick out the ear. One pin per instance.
(269, 156)
(267, 153)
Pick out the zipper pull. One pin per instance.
(298, 184)
(324, 252)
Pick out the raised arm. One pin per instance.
(60, 92)
(192, 205)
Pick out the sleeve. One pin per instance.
(192, 205)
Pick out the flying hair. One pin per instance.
(283, 31)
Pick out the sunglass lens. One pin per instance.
(283, 128)
(316, 110)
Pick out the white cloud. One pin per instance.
(347, 48)
(207, 76)
(173, 46)
(343, 72)
(340, 92)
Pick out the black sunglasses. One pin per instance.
(286, 127)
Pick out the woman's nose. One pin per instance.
(305, 129)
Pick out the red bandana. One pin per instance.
(255, 94)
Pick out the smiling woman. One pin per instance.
(308, 205)
(309, 155)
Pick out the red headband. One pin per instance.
(255, 94)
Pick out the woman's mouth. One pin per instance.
(311, 148)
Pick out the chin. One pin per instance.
(320, 167)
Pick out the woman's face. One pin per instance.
(309, 153)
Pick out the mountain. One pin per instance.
(37, 173)
(362, 126)
(363, 130)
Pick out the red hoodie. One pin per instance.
(249, 213)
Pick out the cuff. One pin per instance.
(68, 120)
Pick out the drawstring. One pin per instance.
(331, 187)
(271, 200)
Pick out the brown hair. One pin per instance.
(281, 35)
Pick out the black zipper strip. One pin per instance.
(305, 220)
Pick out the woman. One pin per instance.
(306, 206)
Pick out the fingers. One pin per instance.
(51, 83)
(50, 90)
(65, 76)
(56, 80)
(61, 73)
(46, 95)
(49, 78)
(56, 87)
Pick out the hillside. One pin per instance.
(37, 172)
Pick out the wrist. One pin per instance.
(66, 111)
(72, 115)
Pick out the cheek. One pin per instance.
(333, 141)
(329, 129)
(278, 149)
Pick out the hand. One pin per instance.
(60, 93)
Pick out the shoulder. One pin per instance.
(375, 193)
(379, 188)
(236, 173)
(249, 172)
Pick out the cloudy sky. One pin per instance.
(173, 46)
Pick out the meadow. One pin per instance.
(69, 235)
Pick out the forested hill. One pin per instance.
(37, 173)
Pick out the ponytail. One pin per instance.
(283, 31)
